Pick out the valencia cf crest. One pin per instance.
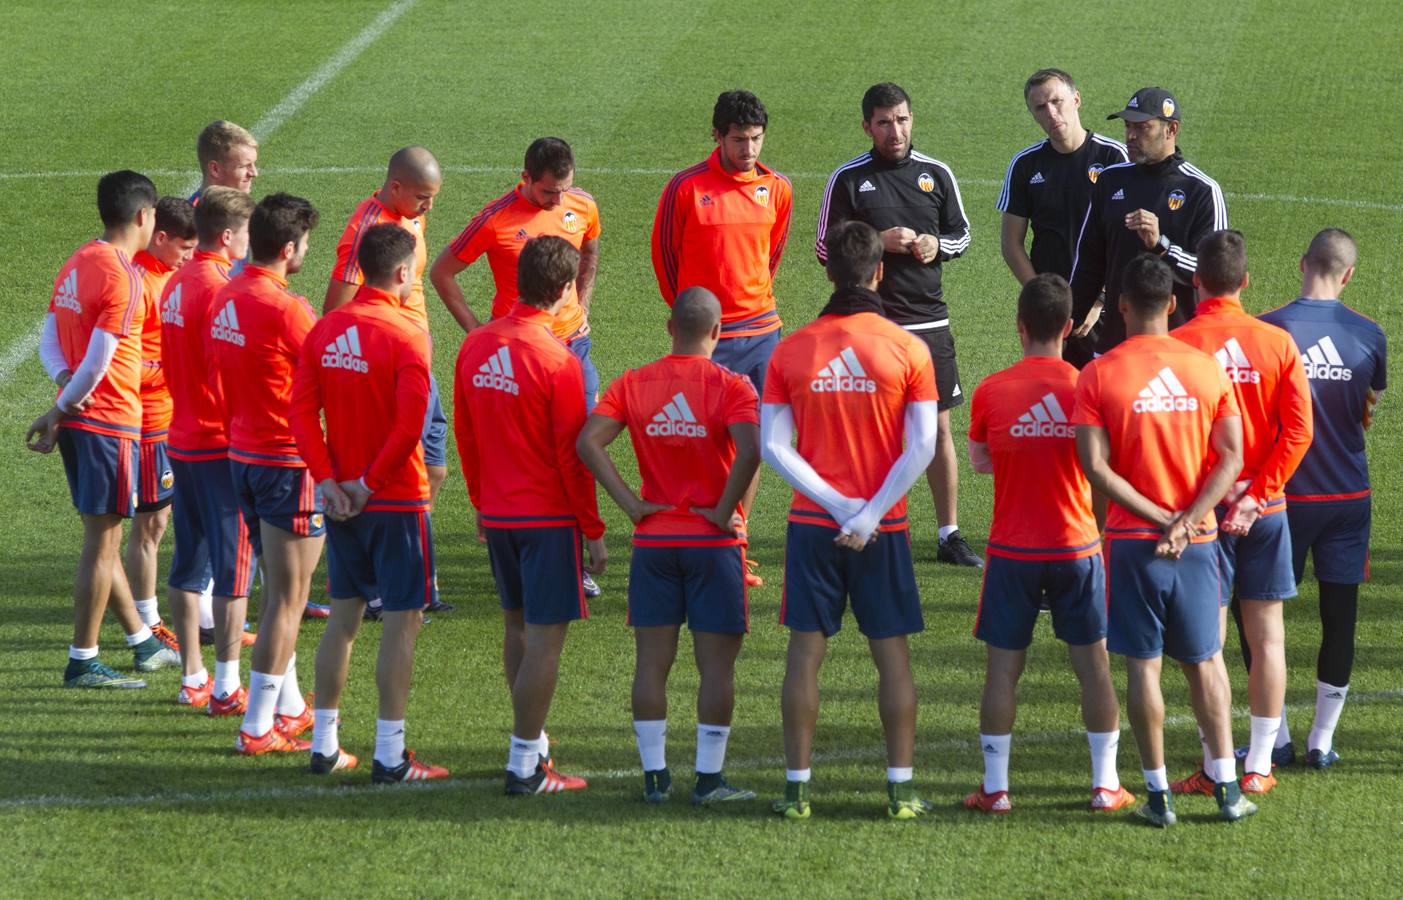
(317, 520)
(925, 182)
(1176, 200)
(570, 222)
(762, 195)
(1167, 108)
(167, 480)
(1094, 172)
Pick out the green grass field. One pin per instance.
(1292, 109)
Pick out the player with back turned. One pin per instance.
(855, 388)
(1345, 358)
(95, 319)
(1159, 433)
(366, 366)
(694, 426)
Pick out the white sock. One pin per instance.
(82, 653)
(1156, 779)
(142, 635)
(1226, 769)
(652, 743)
(523, 756)
(711, 748)
(995, 748)
(290, 700)
(199, 679)
(207, 607)
(1329, 703)
(946, 530)
(1264, 731)
(325, 740)
(389, 742)
(1283, 736)
(226, 677)
(898, 774)
(148, 611)
(799, 775)
(543, 745)
(262, 701)
(1104, 745)
(1207, 755)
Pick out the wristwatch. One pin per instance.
(1162, 248)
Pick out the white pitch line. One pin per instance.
(26, 345)
(333, 790)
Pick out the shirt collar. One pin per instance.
(260, 272)
(713, 162)
(1213, 305)
(150, 263)
(528, 313)
(368, 294)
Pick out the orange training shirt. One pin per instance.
(369, 213)
(197, 428)
(155, 395)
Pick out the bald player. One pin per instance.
(695, 430)
(412, 181)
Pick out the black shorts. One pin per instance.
(947, 375)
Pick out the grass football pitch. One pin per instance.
(1290, 106)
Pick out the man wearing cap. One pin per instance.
(1157, 203)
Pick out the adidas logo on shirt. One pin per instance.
(676, 420)
(170, 313)
(865, 187)
(843, 374)
(1235, 363)
(344, 353)
(1118, 195)
(226, 326)
(1324, 363)
(1043, 419)
(497, 373)
(1037, 179)
(1165, 393)
(68, 293)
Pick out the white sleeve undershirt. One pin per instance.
(102, 346)
(776, 446)
(922, 427)
(50, 352)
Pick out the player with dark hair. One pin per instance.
(94, 322)
(212, 546)
(1044, 545)
(1048, 184)
(694, 426)
(1345, 358)
(1254, 541)
(366, 366)
(412, 181)
(913, 201)
(1159, 433)
(518, 401)
(722, 225)
(257, 327)
(172, 245)
(855, 387)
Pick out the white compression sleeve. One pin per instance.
(102, 346)
(922, 425)
(50, 353)
(776, 446)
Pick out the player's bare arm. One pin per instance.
(444, 274)
(599, 432)
(980, 460)
(1094, 452)
(1013, 238)
(338, 293)
(42, 436)
(584, 282)
(723, 515)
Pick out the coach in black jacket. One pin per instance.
(912, 200)
(1156, 203)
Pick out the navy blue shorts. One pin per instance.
(748, 356)
(155, 478)
(820, 577)
(435, 435)
(1257, 565)
(101, 470)
(212, 540)
(282, 496)
(702, 586)
(1015, 589)
(537, 570)
(580, 346)
(385, 554)
(1163, 607)
(1336, 534)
